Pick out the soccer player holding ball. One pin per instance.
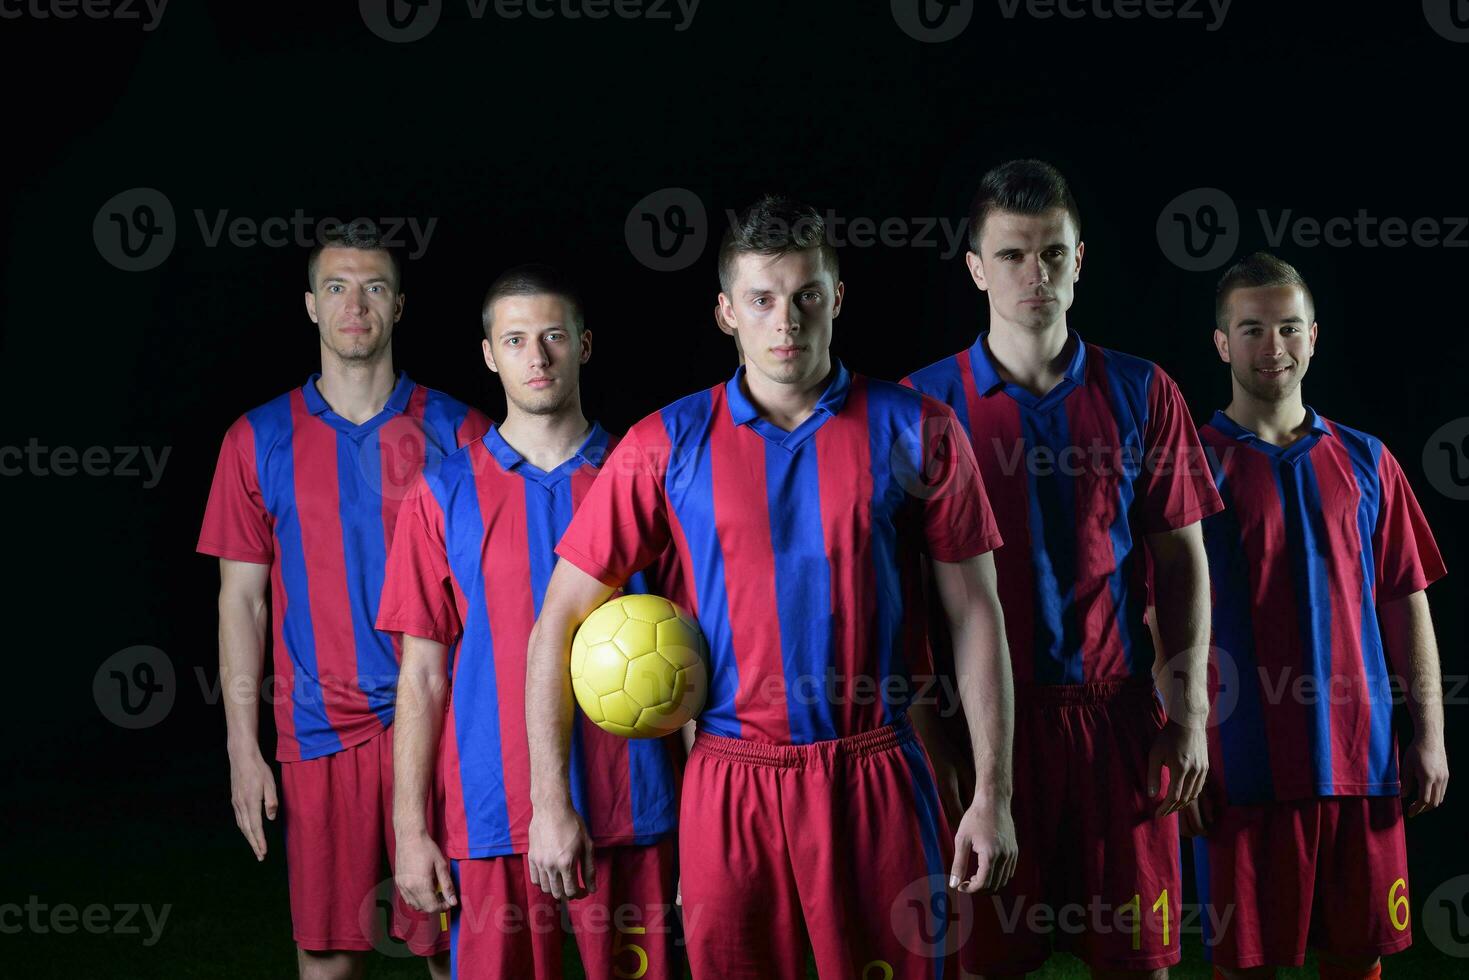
(1088, 455)
(305, 497)
(1320, 564)
(467, 576)
(800, 499)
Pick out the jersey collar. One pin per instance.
(742, 411)
(1229, 427)
(987, 377)
(396, 404)
(591, 453)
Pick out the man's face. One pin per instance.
(535, 349)
(1270, 340)
(780, 309)
(1029, 265)
(355, 302)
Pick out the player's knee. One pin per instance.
(330, 965)
(1330, 967)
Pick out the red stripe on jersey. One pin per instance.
(998, 446)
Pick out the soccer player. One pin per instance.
(466, 577)
(1088, 455)
(800, 498)
(303, 504)
(1320, 565)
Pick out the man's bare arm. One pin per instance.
(242, 619)
(1180, 620)
(1407, 629)
(982, 669)
(421, 871)
(559, 844)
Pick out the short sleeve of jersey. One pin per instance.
(957, 520)
(1176, 487)
(417, 598)
(621, 526)
(236, 523)
(1408, 558)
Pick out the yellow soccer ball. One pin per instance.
(638, 666)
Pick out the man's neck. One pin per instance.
(1034, 359)
(787, 405)
(546, 441)
(356, 390)
(1279, 423)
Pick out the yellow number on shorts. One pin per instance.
(883, 967)
(1137, 916)
(1162, 903)
(1394, 904)
(619, 947)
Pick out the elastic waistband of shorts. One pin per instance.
(1127, 689)
(871, 742)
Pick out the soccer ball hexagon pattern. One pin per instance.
(638, 666)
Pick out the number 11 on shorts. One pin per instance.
(1135, 903)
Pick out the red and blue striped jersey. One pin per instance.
(315, 497)
(1315, 536)
(469, 569)
(800, 550)
(1076, 478)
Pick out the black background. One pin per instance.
(531, 139)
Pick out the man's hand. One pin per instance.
(422, 874)
(1195, 819)
(1184, 752)
(1425, 774)
(252, 785)
(987, 832)
(560, 847)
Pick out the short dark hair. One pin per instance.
(1031, 187)
(533, 280)
(1259, 269)
(774, 225)
(362, 234)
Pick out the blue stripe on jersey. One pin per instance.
(1247, 775)
(475, 691)
(1301, 505)
(1052, 500)
(1202, 884)
(365, 554)
(894, 428)
(944, 381)
(547, 512)
(649, 769)
(1127, 392)
(689, 484)
(442, 417)
(1366, 456)
(802, 587)
(273, 430)
(926, 798)
(455, 914)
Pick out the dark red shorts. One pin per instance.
(505, 926)
(841, 841)
(1098, 875)
(338, 814)
(1328, 873)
